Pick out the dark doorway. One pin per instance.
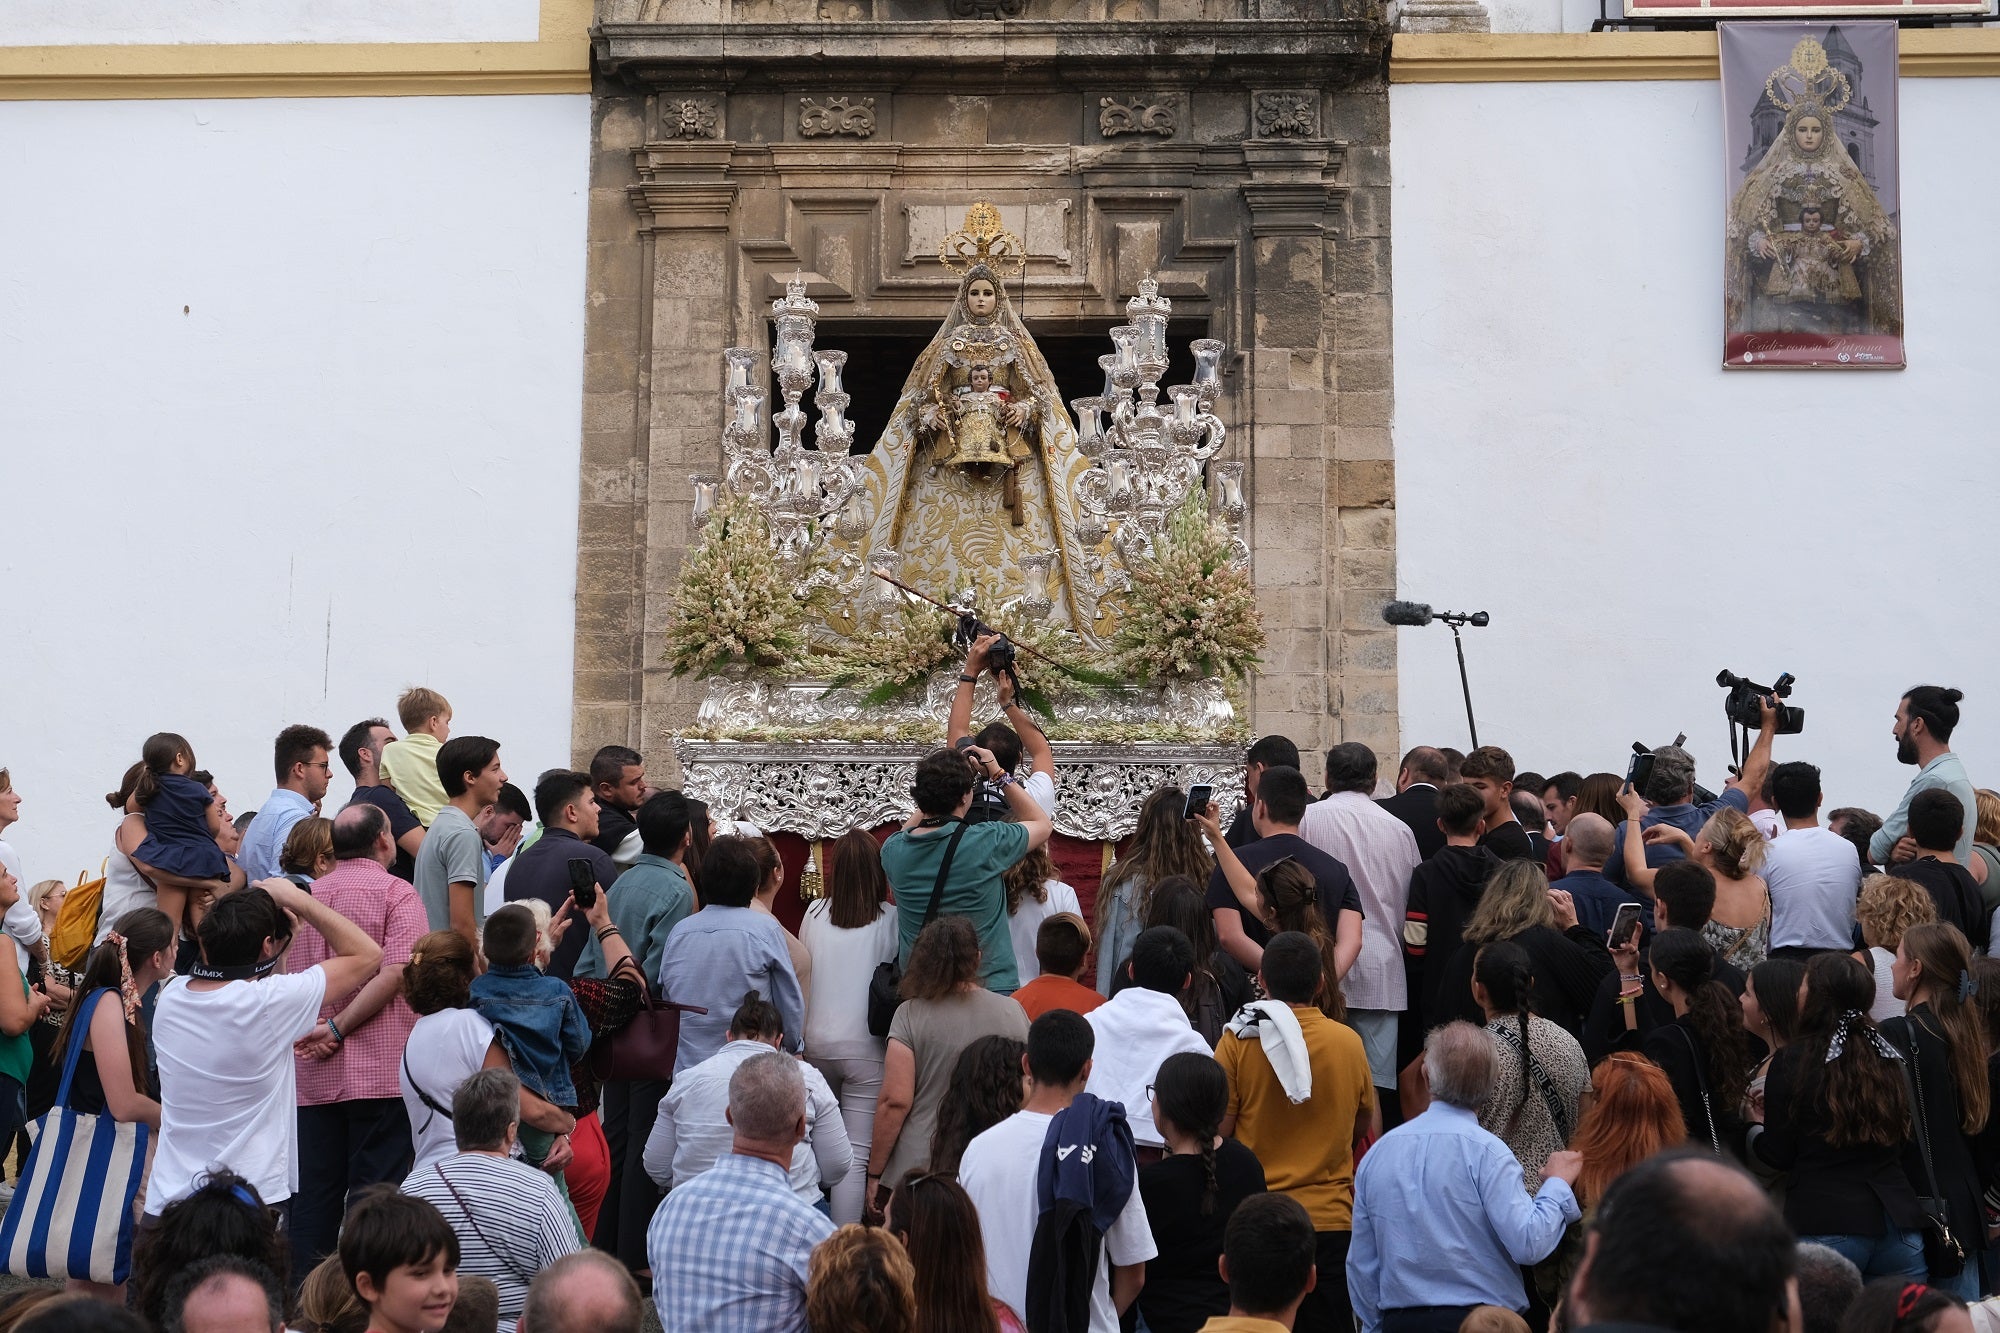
(880, 354)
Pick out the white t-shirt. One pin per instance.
(228, 1086)
(843, 963)
(496, 886)
(125, 889)
(1000, 1171)
(22, 921)
(1026, 923)
(1814, 877)
(1043, 788)
(445, 1049)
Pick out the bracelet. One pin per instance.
(605, 932)
(964, 679)
(1627, 999)
(339, 1038)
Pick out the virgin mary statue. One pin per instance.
(973, 482)
(1810, 248)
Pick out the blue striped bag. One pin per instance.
(72, 1210)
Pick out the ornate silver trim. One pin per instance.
(823, 789)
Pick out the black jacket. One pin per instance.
(1568, 966)
(613, 827)
(1844, 1191)
(1443, 892)
(1951, 1149)
(1677, 1049)
(1418, 807)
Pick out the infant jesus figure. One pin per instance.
(986, 429)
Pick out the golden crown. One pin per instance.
(982, 240)
(1807, 77)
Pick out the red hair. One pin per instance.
(1633, 1114)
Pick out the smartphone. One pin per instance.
(583, 882)
(1640, 772)
(1198, 798)
(1624, 925)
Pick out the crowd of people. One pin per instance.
(1493, 1050)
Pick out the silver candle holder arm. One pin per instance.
(1146, 457)
(804, 492)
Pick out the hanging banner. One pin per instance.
(1813, 258)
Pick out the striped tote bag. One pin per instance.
(71, 1215)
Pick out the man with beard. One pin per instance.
(1925, 719)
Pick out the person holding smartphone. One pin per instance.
(567, 806)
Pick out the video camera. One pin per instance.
(1000, 656)
(1745, 708)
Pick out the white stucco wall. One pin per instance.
(1570, 457)
(206, 22)
(289, 420)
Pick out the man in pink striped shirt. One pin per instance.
(353, 1130)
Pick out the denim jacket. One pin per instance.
(540, 1025)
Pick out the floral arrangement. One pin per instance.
(734, 605)
(1190, 613)
(893, 657)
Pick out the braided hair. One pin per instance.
(1506, 972)
(1193, 1095)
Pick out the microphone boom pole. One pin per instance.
(1420, 613)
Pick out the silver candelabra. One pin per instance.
(1144, 457)
(803, 492)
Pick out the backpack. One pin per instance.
(76, 923)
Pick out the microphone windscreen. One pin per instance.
(1407, 613)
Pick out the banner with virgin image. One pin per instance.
(1813, 258)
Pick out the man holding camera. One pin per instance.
(1670, 790)
(1007, 743)
(972, 884)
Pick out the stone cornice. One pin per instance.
(1625, 56)
(977, 56)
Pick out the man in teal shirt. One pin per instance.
(647, 901)
(975, 888)
(1924, 722)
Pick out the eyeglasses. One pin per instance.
(322, 764)
(1149, 1091)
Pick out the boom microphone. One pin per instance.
(1407, 613)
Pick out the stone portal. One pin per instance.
(1235, 149)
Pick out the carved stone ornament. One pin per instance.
(1287, 115)
(1137, 116)
(836, 116)
(988, 9)
(689, 117)
(822, 789)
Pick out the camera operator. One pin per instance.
(973, 885)
(228, 1083)
(1670, 791)
(1925, 718)
(1007, 743)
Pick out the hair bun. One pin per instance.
(1952, 696)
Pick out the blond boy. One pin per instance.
(410, 764)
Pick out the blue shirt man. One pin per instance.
(729, 1249)
(1440, 1185)
(1945, 770)
(1671, 790)
(711, 959)
(303, 771)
